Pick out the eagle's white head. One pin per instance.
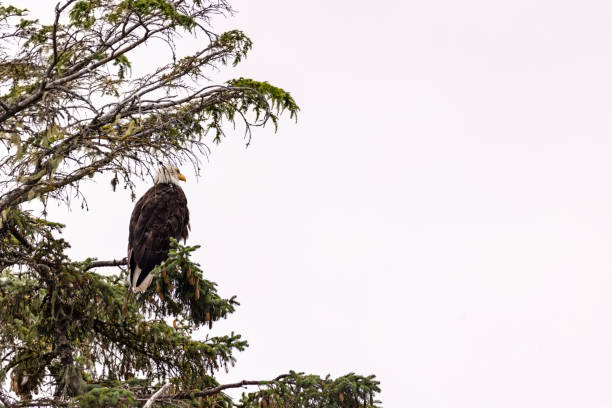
(169, 174)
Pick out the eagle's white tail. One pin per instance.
(144, 284)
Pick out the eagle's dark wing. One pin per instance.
(160, 213)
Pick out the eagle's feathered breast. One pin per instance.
(160, 213)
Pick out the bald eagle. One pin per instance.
(160, 213)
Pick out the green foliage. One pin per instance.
(181, 291)
(99, 397)
(145, 8)
(275, 102)
(237, 42)
(279, 99)
(11, 11)
(82, 13)
(311, 391)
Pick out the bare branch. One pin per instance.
(155, 396)
(114, 262)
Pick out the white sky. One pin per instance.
(440, 215)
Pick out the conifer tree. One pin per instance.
(71, 110)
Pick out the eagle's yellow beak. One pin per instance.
(181, 177)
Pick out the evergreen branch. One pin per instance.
(219, 388)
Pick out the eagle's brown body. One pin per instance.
(160, 213)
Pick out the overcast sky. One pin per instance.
(439, 216)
